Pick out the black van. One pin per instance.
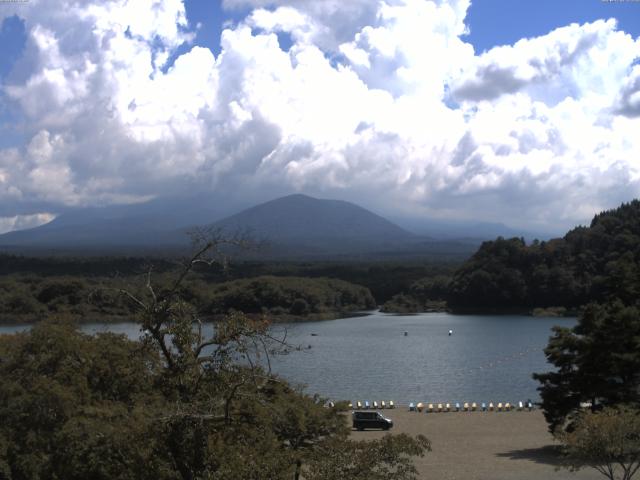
(362, 420)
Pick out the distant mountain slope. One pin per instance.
(323, 225)
(595, 263)
(294, 227)
(158, 223)
(472, 230)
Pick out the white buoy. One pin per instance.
(450, 332)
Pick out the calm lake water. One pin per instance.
(487, 358)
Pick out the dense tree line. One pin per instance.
(383, 279)
(424, 295)
(85, 267)
(85, 287)
(292, 295)
(596, 263)
(29, 298)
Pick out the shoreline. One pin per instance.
(119, 319)
(32, 319)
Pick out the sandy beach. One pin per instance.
(482, 445)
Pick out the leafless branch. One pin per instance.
(132, 297)
(150, 286)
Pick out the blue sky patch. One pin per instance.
(13, 38)
(504, 22)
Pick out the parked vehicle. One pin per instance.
(362, 420)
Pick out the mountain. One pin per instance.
(296, 226)
(467, 230)
(154, 224)
(317, 226)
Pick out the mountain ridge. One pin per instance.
(300, 216)
(294, 226)
(295, 221)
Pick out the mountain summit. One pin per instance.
(323, 225)
(295, 225)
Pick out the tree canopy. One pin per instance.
(597, 362)
(608, 441)
(598, 263)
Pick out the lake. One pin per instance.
(487, 358)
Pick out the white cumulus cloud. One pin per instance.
(384, 103)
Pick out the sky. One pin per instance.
(525, 113)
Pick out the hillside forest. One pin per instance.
(598, 263)
(88, 289)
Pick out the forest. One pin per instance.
(598, 263)
(88, 288)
